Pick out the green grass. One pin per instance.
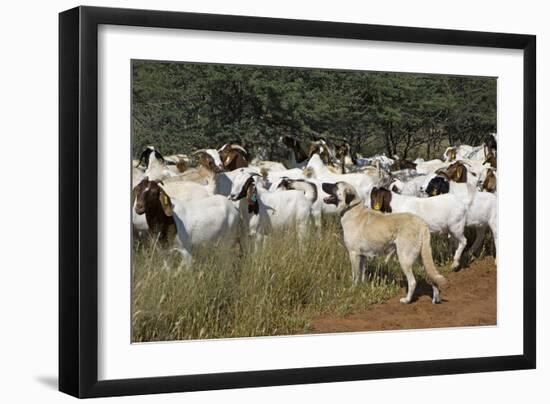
(234, 292)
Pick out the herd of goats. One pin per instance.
(385, 205)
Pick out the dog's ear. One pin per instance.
(329, 188)
(349, 197)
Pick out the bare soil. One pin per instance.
(469, 300)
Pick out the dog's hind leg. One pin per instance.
(406, 260)
(436, 299)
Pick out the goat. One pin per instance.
(456, 153)
(321, 148)
(467, 152)
(488, 180)
(146, 154)
(265, 211)
(194, 222)
(343, 154)
(379, 160)
(444, 214)
(310, 190)
(490, 144)
(272, 166)
(214, 155)
(297, 157)
(412, 187)
(430, 166)
(155, 165)
(177, 163)
(481, 209)
(457, 171)
(147, 200)
(218, 180)
(491, 159)
(402, 164)
(233, 156)
(203, 173)
(436, 184)
(181, 190)
(361, 182)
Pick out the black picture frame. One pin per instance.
(78, 196)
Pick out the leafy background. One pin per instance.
(180, 107)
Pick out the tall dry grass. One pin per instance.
(236, 292)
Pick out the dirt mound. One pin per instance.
(471, 300)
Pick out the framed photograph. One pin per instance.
(251, 201)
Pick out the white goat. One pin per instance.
(360, 181)
(444, 214)
(201, 221)
(186, 190)
(430, 166)
(272, 166)
(488, 179)
(312, 191)
(435, 184)
(412, 187)
(157, 169)
(482, 206)
(384, 162)
(265, 211)
(180, 190)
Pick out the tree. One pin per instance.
(180, 107)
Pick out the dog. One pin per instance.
(368, 233)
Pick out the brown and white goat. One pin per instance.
(297, 157)
(150, 200)
(195, 222)
(233, 156)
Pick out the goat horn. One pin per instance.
(199, 151)
(236, 146)
(223, 147)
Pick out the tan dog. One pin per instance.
(368, 233)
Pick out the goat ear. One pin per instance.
(144, 157)
(165, 203)
(460, 174)
(253, 205)
(181, 166)
(231, 155)
(387, 202)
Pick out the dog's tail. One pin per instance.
(427, 260)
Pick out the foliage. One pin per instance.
(180, 107)
(277, 290)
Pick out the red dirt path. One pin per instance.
(470, 300)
